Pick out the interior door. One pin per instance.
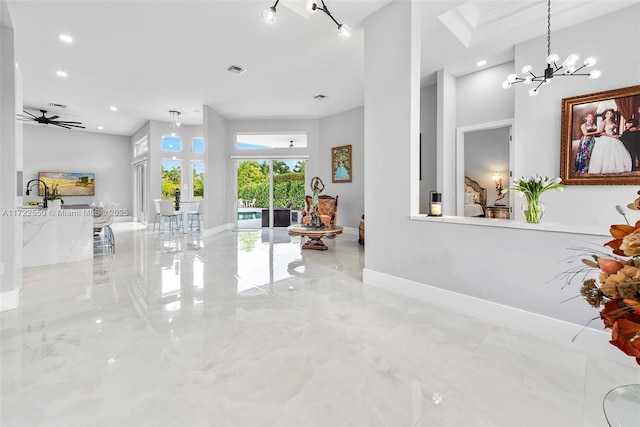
(140, 192)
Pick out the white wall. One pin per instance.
(10, 160)
(48, 149)
(346, 128)
(391, 94)
(515, 267)
(218, 195)
(537, 126)
(480, 97)
(428, 135)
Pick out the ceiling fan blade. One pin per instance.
(60, 125)
(53, 117)
(65, 122)
(25, 111)
(79, 125)
(71, 124)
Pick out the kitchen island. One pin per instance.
(52, 236)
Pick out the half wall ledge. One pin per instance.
(516, 224)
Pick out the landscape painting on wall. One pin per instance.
(69, 183)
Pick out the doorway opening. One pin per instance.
(140, 192)
(484, 157)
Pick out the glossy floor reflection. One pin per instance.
(242, 329)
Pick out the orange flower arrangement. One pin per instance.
(617, 288)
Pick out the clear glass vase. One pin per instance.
(533, 210)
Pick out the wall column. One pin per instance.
(10, 160)
(391, 129)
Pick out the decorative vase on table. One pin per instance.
(531, 188)
(54, 205)
(533, 209)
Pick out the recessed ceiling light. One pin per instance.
(61, 73)
(112, 108)
(481, 63)
(100, 127)
(65, 38)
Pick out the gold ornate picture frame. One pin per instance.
(341, 164)
(595, 150)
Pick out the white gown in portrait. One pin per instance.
(609, 154)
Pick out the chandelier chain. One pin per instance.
(549, 28)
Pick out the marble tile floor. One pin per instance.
(244, 329)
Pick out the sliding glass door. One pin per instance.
(270, 192)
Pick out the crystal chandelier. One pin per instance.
(568, 67)
(270, 16)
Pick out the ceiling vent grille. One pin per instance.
(320, 97)
(236, 69)
(51, 104)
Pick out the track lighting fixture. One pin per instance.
(568, 67)
(270, 15)
(175, 121)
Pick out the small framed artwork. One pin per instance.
(600, 139)
(341, 164)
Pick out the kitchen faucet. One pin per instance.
(46, 191)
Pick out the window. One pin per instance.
(171, 143)
(198, 145)
(248, 141)
(198, 180)
(141, 146)
(171, 178)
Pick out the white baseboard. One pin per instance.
(559, 331)
(9, 300)
(215, 230)
(124, 219)
(351, 231)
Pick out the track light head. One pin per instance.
(344, 31)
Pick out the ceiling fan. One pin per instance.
(49, 120)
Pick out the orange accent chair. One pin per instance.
(327, 209)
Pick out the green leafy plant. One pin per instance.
(53, 194)
(533, 187)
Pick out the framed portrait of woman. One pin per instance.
(341, 164)
(600, 140)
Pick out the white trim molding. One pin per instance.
(9, 300)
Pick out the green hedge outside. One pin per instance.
(284, 192)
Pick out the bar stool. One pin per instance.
(196, 215)
(167, 211)
(158, 216)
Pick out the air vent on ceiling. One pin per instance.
(320, 97)
(51, 104)
(236, 69)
